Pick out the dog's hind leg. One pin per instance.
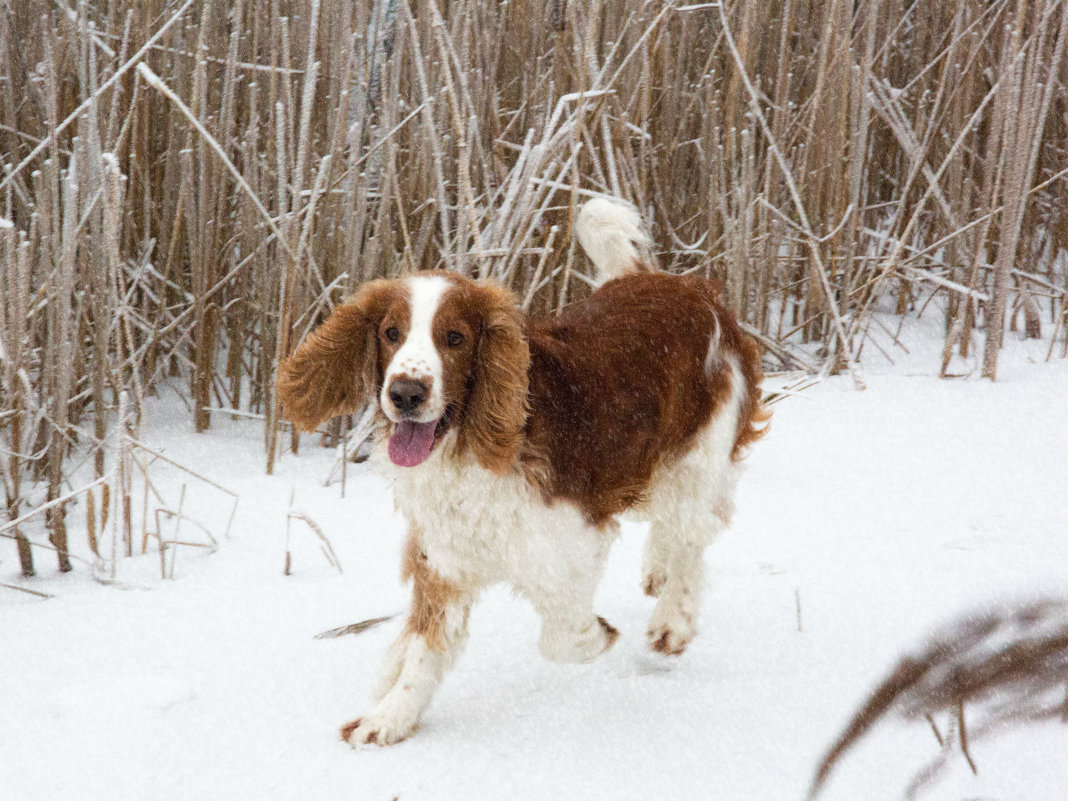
(675, 569)
(689, 506)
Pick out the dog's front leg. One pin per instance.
(570, 631)
(397, 714)
(415, 664)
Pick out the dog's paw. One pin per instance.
(377, 729)
(670, 629)
(611, 633)
(570, 646)
(654, 582)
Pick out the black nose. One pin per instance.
(407, 396)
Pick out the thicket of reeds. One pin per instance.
(187, 186)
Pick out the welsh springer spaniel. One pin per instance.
(514, 443)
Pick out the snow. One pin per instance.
(869, 518)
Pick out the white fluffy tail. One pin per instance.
(610, 231)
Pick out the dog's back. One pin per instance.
(623, 382)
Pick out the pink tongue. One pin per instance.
(411, 443)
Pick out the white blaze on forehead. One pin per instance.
(418, 357)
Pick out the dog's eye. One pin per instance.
(392, 334)
(455, 339)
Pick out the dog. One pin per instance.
(515, 443)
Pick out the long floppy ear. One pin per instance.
(335, 369)
(497, 405)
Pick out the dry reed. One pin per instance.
(1005, 668)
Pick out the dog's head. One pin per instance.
(435, 351)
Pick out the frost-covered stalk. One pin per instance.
(124, 471)
(14, 284)
(60, 344)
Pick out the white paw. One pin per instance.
(654, 581)
(567, 645)
(671, 628)
(378, 729)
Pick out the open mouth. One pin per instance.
(412, 443)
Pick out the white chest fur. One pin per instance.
(478, 528)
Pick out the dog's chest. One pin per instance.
(478, 527)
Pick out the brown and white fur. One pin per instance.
(514, 444)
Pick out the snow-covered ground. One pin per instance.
(865, 519)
